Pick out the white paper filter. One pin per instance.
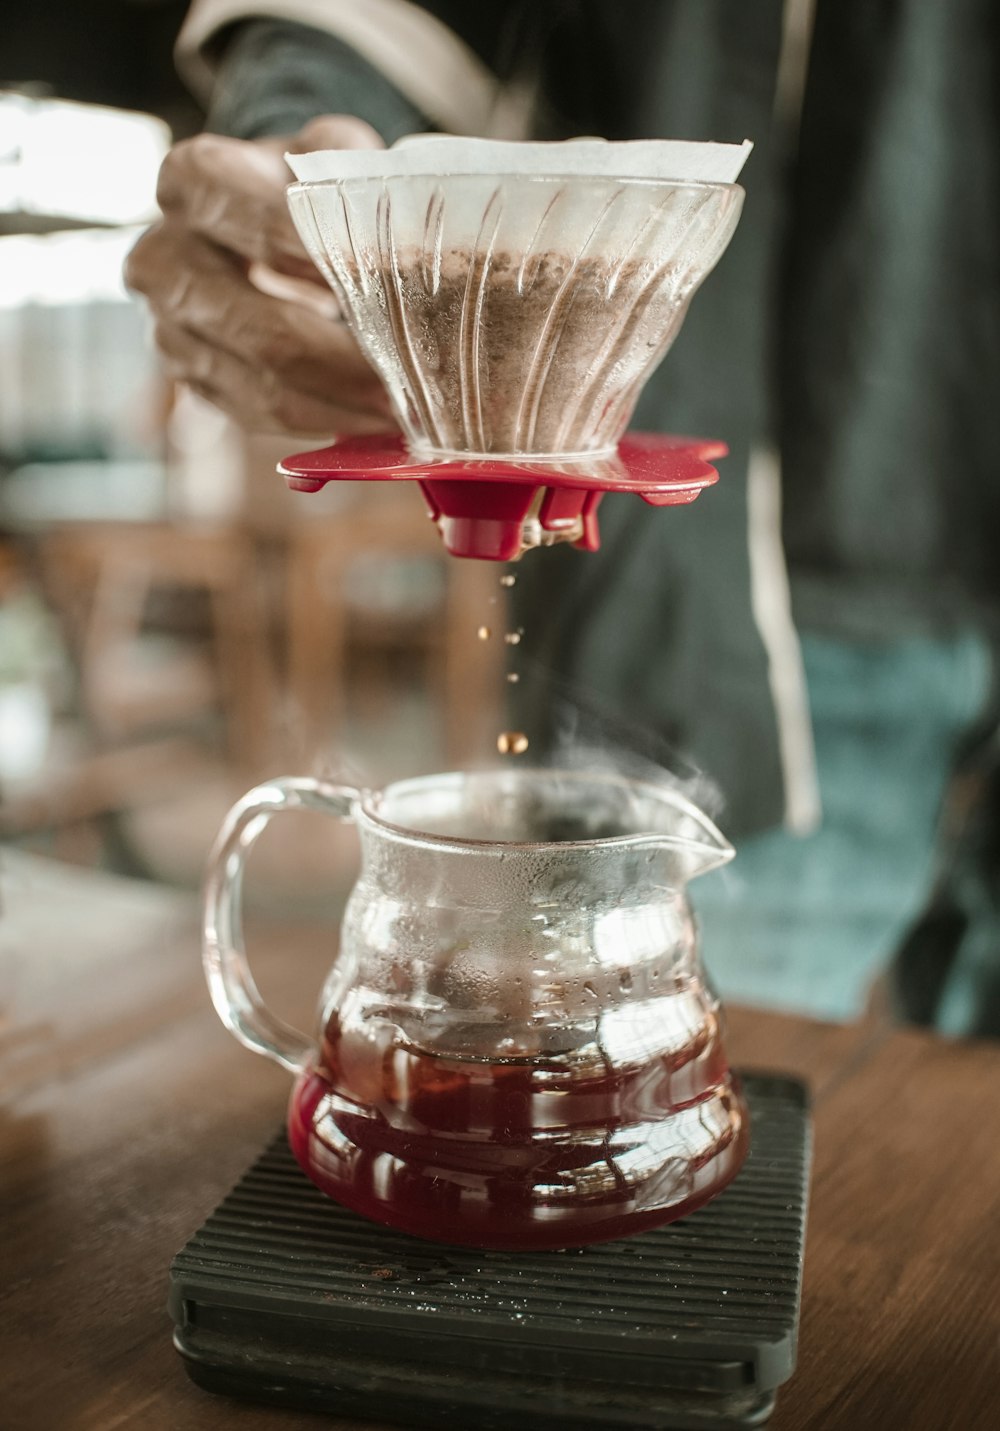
(442, 154)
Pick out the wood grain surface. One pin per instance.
(128, 1112)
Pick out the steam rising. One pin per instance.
(583, 736)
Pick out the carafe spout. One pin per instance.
(694, 844)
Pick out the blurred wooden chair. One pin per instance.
(103, 576)
(135, 732)
(275, 573)
(324, 623)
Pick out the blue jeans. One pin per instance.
(806, 923)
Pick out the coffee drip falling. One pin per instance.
(514, 299)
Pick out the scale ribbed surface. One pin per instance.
(721, 1286)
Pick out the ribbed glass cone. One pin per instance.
(514, 314)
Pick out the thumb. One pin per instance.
(335, 131)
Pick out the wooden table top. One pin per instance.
(128, 1112)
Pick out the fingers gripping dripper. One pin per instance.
(499, 508)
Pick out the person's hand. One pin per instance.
(270, 350)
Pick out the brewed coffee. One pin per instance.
(516, 1153)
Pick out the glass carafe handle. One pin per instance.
(236, 997)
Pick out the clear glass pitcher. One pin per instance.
(517, 1047)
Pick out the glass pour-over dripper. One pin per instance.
(514, 299)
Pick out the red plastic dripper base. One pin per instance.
(496, 509)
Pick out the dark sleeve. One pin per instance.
(276, 75)
(500, 32)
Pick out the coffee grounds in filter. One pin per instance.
(499, 353)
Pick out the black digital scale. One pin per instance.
(287, 1297)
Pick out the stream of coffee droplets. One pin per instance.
(509, 742)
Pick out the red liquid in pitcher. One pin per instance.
(517, 1153)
